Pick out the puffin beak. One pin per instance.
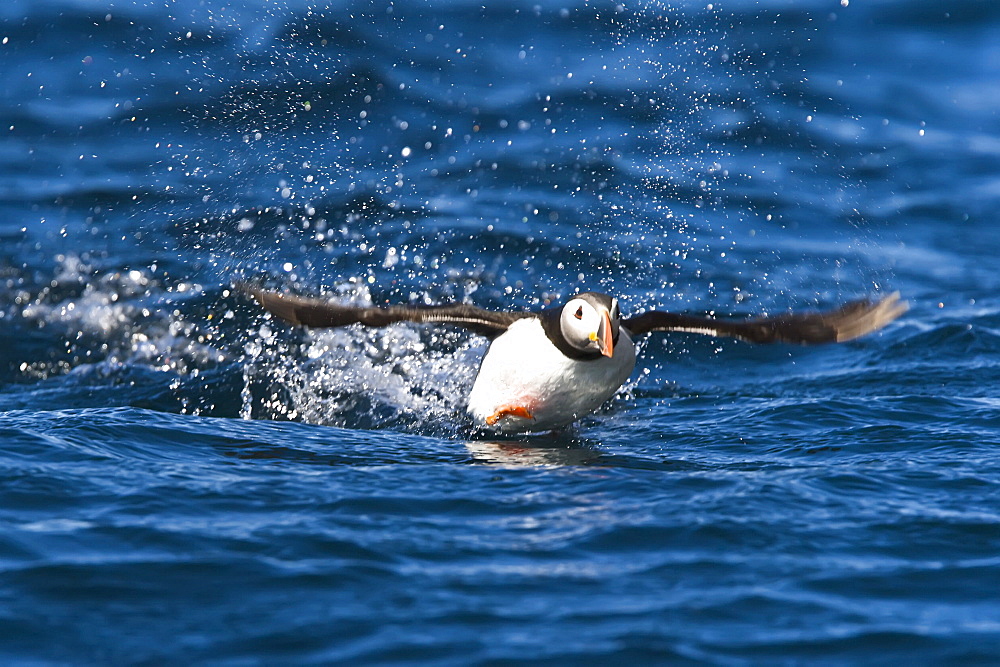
(604, 337)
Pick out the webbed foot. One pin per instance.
(509, 411)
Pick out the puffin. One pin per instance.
(546, 369)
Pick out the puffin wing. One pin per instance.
(850, 321)
(319, 313)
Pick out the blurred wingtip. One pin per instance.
(249, 290)
(272, 302)
(870, 316)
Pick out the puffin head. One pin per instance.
(590, 323)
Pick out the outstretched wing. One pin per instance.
(321, 313)
(848, 322)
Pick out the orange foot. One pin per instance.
(509, 411)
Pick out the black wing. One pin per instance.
(321, 313)
(848, 322)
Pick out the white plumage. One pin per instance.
(523, 368)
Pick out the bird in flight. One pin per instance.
(546, 369)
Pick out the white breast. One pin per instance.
(522, 368)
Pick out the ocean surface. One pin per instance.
(185, 481)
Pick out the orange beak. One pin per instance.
(605, 339)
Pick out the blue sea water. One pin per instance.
(185, 481)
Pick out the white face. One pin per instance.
(585, 327)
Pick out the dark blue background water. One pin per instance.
(183, 480)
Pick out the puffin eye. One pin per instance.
(579, 313)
